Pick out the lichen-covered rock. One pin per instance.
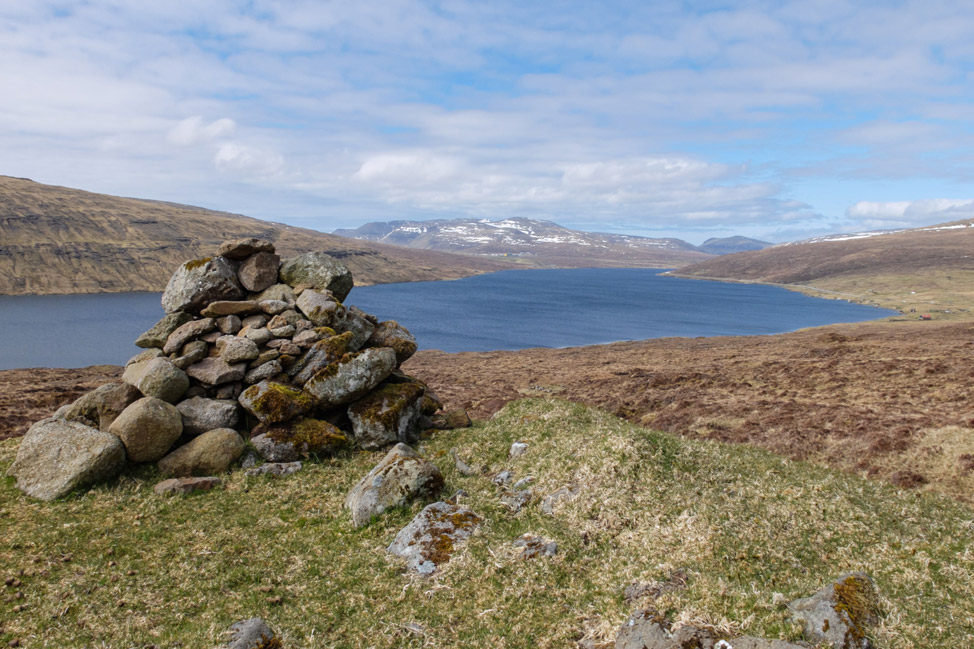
(275, 469)
(391, 334)
(216, 371)
(57, 456)
(274, 403)
(234, 349)
(319, 271)
(209, 454)
(197, 283)
(223, 308)
(201, 415)
(322, 354)
(432, 537)
(101, 406)
(277, 293)
(402, 476)
(157, 335)
(187, 332)
(238, 249)
(351, 377)
(162, 380)
(296, 439)
(259, 271)
(386, 415)
(323, 309)
(841, 613)
(750, 642)
(362, 328)
(147, 429)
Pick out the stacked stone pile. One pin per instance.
(249, 348)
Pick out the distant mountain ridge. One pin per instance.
(56, 240)
(534, 241)
(731, 245)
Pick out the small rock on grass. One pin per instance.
(401, 476)
(186, 485)
(252, 634)
(840, 613)
(276, 469)
(535, 546)
(431, 539)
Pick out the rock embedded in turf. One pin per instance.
(750, 642)
(432, 537)
(840, 613)
(57, 456)
(147, 428)
(399, 478)
(317, 270)
(532, 546)
(252, 634)
(156, 336)
(186, 485)
(163, 380)
(351, 377)
(275, 469)
(387, 414)
(208, 454)
(200, 414)
(199, 282)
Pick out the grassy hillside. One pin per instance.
(60, 240)
(929, 269)
(722, 535)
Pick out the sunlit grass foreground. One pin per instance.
(747, 531)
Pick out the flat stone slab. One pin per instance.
(186, 485)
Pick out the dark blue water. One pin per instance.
(506, 310)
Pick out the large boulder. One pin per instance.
(58, 456)
(840, 614)
(259, 271)
(319, 271)
(274, 403)
(101, 406)
(147, 428)
(387, 415)
(198, 282)
(432, 537)
(209, 454)
(399, 478)
(296, 439)
(201, 414)
(157, 335)
(351, 377)
(392, 334)
(162, 380)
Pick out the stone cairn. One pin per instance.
(249, 349)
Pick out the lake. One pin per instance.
(505, 310)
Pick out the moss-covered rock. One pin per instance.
(273, 403)
(387, 415)
(432, 538)
(393, 335)
(841, 613)
(296, 439)
(322, 353)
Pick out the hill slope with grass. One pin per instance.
(716, 535)
(930, 268)
(60, 240)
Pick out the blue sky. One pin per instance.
(778, 120)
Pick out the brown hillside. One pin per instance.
(61, 240)
(926, 268)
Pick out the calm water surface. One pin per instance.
(506, 310)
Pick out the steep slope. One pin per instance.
(61, 240)
(730, 245)
(531, 241)
(926, 268)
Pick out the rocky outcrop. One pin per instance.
(58, 456)
(399, 478)
(252, 349)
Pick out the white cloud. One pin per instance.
(910, 213)
(248, 161)
(193, 130)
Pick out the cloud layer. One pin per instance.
(767, 119)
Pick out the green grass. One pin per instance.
(120, 567)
